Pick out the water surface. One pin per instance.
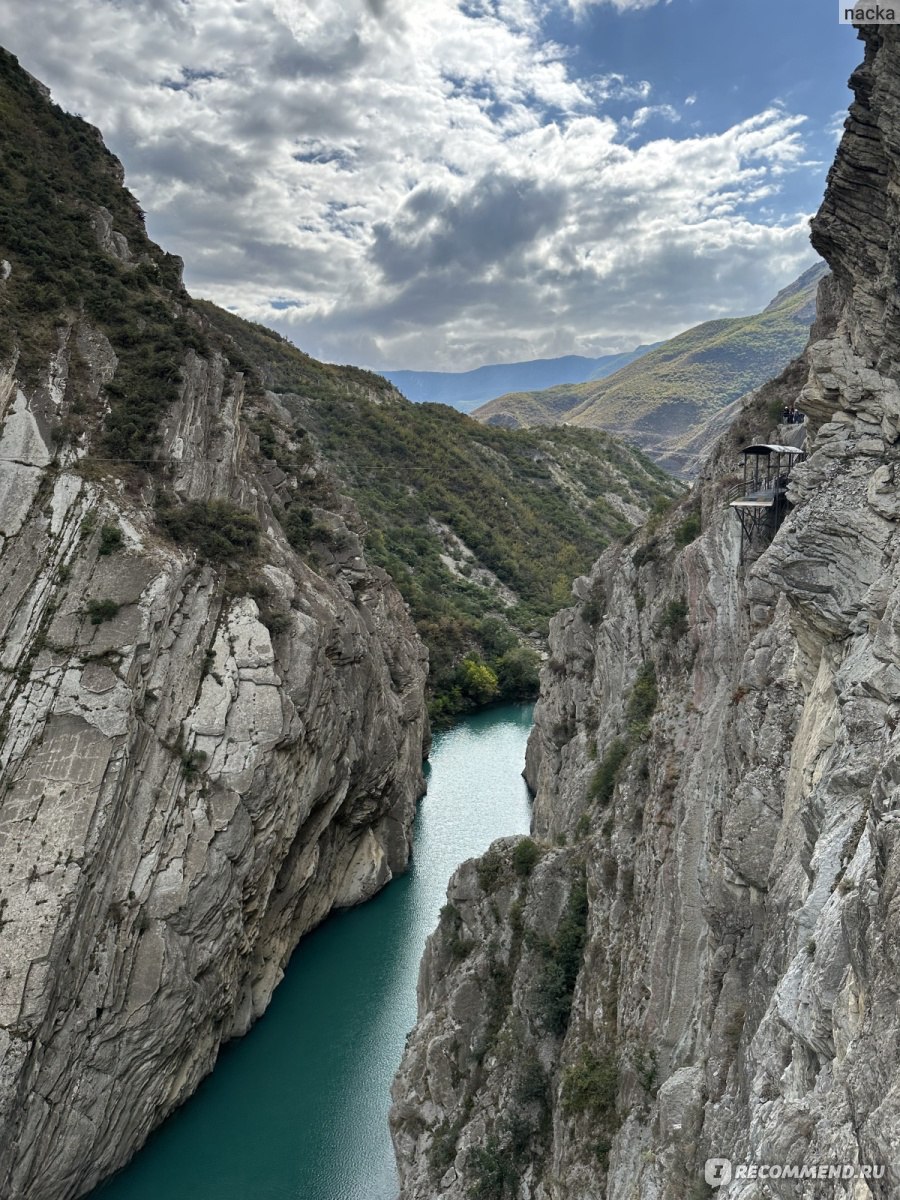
(297, 1109)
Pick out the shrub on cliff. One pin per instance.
(590, 1086)
(642, 702)
(525, 857)
(562, 961)
(494, 1172)
(604, 779)
(110, 539)
(688, 530)
(221, 532)
(101, 610)
(674, 618)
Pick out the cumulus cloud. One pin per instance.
(423, 186)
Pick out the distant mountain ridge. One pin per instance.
(661, 400)
(466, 390)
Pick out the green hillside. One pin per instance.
(481, 528)
(664, 397)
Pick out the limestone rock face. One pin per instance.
(716, 748)
(192, 778)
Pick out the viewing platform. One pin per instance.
(760, 500)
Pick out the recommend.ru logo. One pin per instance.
(717, 1171)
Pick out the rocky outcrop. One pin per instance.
(200, 758)
(716, 744)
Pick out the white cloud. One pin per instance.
(425, 186)
(648, 111)
(835, 126)
(579, 6)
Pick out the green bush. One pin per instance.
(525, 857)
(101, 610)
(192, 763)
(590, 1085)
(443, 1150)
(494, 1172)
(674, 618)
(603, 782)
(775, 410)
(649, 552)
(532, 1086)
(688, 530)
(110, 539)
(646, 1066)
(277, 623)
(562, 961)
(458, 946)
(221, 532)
(642, 701)
(593, 612)
(496, 637)
(491, 871)
(298, 524)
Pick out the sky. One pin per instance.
(440, 184)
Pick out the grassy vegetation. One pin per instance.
(443, 1150)
(491, 869)
(482, 529)
(55, 173)
(589, 1089)
(641, 706)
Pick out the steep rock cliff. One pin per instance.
(207, 741)
(716, 749)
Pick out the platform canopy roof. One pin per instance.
(766, 448)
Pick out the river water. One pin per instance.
(297, 1109)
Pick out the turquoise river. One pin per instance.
(297, 1110)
